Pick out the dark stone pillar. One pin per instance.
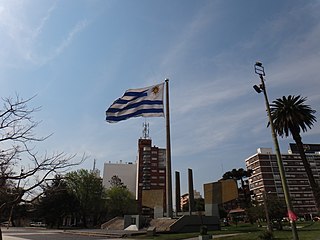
(178, 193)
(191, 191)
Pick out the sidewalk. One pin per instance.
(116, 235)
(110, 235)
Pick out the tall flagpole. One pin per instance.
(168, 157)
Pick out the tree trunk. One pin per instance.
(242, 183)
(314, 186)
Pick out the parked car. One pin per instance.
(6, 224)
(37, 224)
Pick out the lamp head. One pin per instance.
(257, 89)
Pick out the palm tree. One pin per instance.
(291, 115)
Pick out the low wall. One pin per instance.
(193, 223)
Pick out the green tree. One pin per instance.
(199, 204)
(291, 115)
(120, 201)
(57, 202)
(277, 209)
(255, 213)
(115, 181)
(88, 190)
(237, 174)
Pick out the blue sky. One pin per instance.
(77, 57)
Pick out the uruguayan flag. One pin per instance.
(142, 102)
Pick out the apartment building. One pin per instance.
(151, 177)
(265, 177)
(184, 199)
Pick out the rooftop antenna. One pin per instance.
(145, 131)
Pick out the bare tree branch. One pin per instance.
(23, 170)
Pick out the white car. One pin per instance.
(37, 224)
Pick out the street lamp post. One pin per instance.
(259, 69)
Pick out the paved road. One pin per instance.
(48, 234)
(44, 234)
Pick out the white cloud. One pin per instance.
(80, 26)
(43, 21)
(297, 59)
(206, 94)
(21, 25)
(185, 38)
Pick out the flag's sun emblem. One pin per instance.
(155, 90)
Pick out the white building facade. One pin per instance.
(127, 172)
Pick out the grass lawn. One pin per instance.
(306, 231)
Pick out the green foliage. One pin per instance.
(56, 203)
(237, 174)
(291, 114)
(199, 204)
(223, 213)
(255, 213)
(84, 185)
(276, 207)
(120, 201)
(88, 190)
(80, 194)
(115, 181)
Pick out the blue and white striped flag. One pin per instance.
(142, 102)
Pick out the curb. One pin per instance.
(97, 234)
